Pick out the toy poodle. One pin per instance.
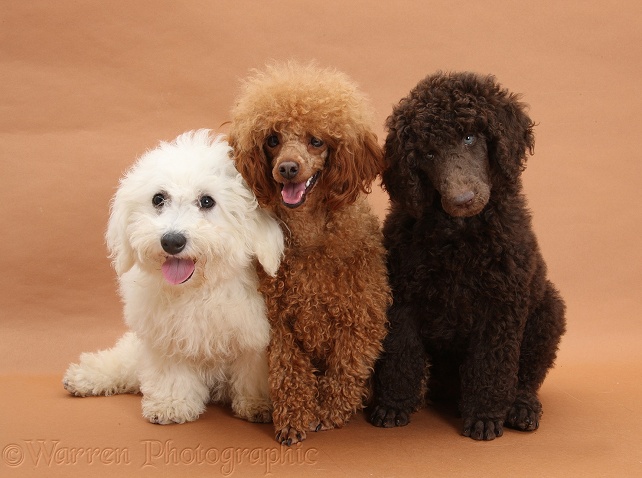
(471, 297)
(302, 140)
(184, 231)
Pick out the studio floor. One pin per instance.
(87, 87)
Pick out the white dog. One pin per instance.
(183, 233)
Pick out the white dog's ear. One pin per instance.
(120, 251)
(267, 242)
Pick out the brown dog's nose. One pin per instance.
(288, 169)
(463, 198)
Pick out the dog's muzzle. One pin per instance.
(176, 270)
(294, 193)
(173, 242)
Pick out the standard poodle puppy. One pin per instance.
(184, 231)
(471, 297)
(302, 140)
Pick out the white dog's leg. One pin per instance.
(249, 387)
(173, 390)
(106, 372)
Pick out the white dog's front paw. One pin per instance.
(78, 382)
(83, 381)
(106, 372)
(257, 410)
(86, 379)
(171, 410)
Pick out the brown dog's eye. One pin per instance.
(272, 141)
(316, 142)
(469, 139)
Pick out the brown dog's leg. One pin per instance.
(544, 329)
(489, 373)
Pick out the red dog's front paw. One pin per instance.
(321, 426)
(289, 436)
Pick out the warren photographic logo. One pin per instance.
(47, 453)
(154, 454)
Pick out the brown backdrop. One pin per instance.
(86, 87)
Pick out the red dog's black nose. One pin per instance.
(288, 169)
(173, 242)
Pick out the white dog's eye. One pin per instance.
(316, 142)
(158, 200)
(272, 141)
(206, 202)
(469, 139)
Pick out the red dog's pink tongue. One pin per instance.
(177, 271)
(293, 192)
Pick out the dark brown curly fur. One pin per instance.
(470, 293)
(327, 305)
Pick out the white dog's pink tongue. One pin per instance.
(292, 193)
(177, 271)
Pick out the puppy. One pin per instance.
(471, 293)
(183, 233)
(303, 142)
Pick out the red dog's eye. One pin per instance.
(316, 142)
(272, 141)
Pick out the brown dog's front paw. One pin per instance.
(483, 428)
(289, 436)
(524, 416)
(389, 417)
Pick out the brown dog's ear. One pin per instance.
(400, 179)
(512, 137)
(403, 154)
(352, 167)
(255, 169)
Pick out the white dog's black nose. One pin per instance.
(173, 242)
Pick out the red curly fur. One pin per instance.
(327, 305)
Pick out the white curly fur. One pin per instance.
(203, 339)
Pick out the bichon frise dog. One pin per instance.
(183, 233)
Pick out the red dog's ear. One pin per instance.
(351, 169)
(255, 169)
